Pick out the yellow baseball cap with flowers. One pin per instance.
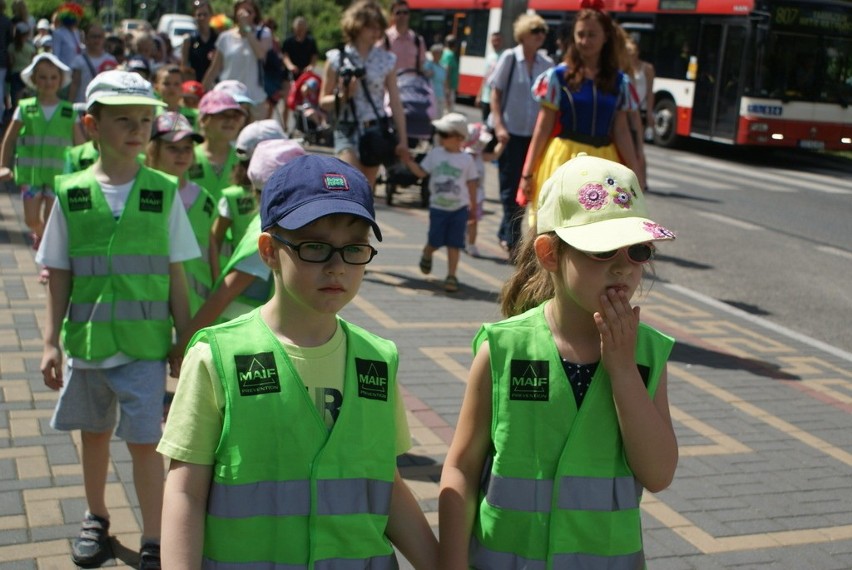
(596, 205)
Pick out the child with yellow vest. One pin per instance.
(566, 418)
(115, 244)
(287, 421)
(42, 128)
(171, 151)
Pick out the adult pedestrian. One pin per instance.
(92, 61)
(66, 37)
(241, 52)
(511, 82)
(197, 50)
(21, 53)
(5, 42)
(300, 53)
(450, 62)
(584, 105)
(355, 84)
(483, 97)
(409, 47)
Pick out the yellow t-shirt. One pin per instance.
(195, 419)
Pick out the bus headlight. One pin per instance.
(846, 140)
(777, 137)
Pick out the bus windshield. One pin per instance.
(811, 68)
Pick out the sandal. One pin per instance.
(426, 265)
(44, 276)
(451, 284)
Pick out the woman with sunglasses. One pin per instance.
(584, 104)
(513, 115)
(566, 416)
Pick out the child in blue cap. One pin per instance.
(291, 459)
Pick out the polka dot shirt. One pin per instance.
(580, 378)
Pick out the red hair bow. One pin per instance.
(597, 5)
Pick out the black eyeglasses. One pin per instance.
(401, 13)
(638, 253)
(538, 31)
(320, 252)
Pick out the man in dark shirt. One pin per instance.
(5, 40)
(299, 52)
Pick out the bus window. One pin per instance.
(675, 41)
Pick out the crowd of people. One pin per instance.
(179, 230)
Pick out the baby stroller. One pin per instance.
(418, 104)
(310, 120)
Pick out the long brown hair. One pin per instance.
(531, 284)
(606, 79)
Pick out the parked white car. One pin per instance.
(176, 26)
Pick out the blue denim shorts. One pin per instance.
(90, 398)
(447, 228)
(345, 137)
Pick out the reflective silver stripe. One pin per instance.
(353, 496)
(265, 498)
(120, 311)
(197, 286)
(35, 140)
(376, 563)
(633, 561)
(515, 493)
(99, 265)
(41, 162)
(208, 564)
(575, 493)
(599, 493)
(485, 559)
(290, 498)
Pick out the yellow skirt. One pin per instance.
(557, 152)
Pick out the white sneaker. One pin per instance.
(472, 250)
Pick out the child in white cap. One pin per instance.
(482, 146)
(452, 194)
(566, 417)
(115, 244)
(42, 128)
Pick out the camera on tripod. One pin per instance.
(347, 72)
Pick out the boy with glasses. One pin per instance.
(297, 420)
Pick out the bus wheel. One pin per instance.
(665, 123)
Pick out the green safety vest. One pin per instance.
(261, 290)
(287, 492)
(203, 174)
(81, 157)
(40, 152)
(199, 279)
(119, 268)
(558, 492)
(243, 206)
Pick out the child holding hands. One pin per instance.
(452, 194)
(287, 421)
(115, 244)
(566, 418)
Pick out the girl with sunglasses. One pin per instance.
(566, 418)
(584, 104)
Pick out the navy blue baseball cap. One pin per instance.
(312, 186)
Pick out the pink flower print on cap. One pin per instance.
(658, 231)
(593, 196)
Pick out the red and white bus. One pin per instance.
(774, 73)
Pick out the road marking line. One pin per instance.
(729, 221)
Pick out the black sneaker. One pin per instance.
(92, 548)
(149, 557)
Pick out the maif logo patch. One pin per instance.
(529, 380)
(79, 199)
(257, 374)
(245, 205)
(336, 182)
(372, 379)
(151, 201)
